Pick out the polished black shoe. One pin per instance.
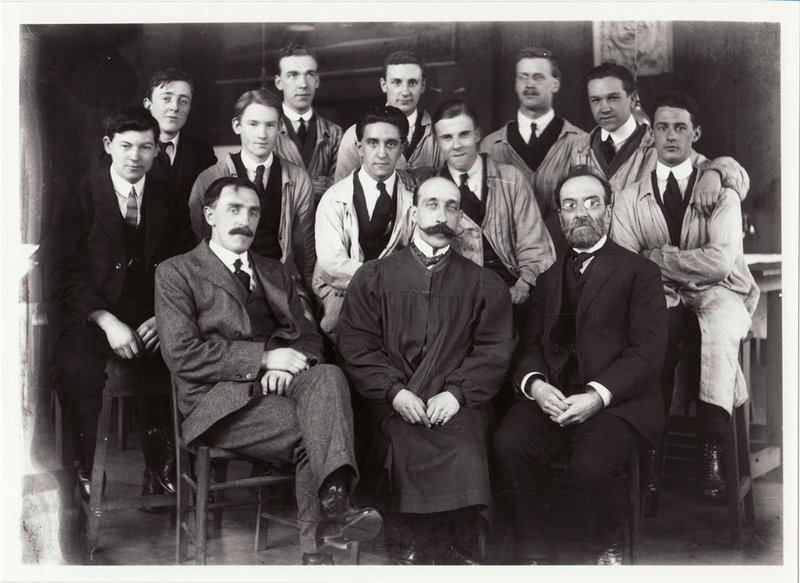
(457, 555)
(711, 475)
(610, 555)
(85, 485)
(151, 487)
(317, 559)
(411, 555)
(359, 524)
(167, 474)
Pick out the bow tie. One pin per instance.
(427, 261)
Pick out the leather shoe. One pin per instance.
(151, 487)
(411, 555)
(85, 485)
(454, 554)
(167, 474)
(611, 555)
(359, 524)
(711, 475)
(317, 559)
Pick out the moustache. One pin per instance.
(241, 231)
(530, 92)
(439, 228)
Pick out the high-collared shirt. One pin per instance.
(620, 135)
(474, 177)
(228, 258)
(426, 249)
(604, 393)
(122, 188)
(295, 117)
(174, 149)
(524, 124)
(370, 188)
(412, 122)
(682, 173)
(251, 165)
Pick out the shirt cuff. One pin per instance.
(524, 384)
(604, 393)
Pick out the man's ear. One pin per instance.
(698, 131)
(147, 103)
(278, 83)
(237, 128)
(107, 144)
(208, 213)
(383, 85)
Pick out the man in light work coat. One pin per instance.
(403, 82)
(365, 215)
(538, 142)
(500, 227)
(706, 278)
(426, 337)
(248, 368)
(305, 137)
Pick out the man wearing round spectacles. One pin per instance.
(364, 216)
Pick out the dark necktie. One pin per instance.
(608, 150)
(470, 203)
(163, 153)
(578, 259)
(259, 181)
(533, 133)
(132, 209)
(382, 213)
(427, 261)
(673, 198)
(302, 131)
(242, 276)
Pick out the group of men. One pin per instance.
(566, 269)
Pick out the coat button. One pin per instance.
(118, 266)
(247, 376)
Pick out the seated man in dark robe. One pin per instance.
(426, 336)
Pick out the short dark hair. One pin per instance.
(295, 50)
(583, 170)
(215, 189)
(613, 70)
(453, 108)
(136, 118)
(164, 76)
(385, 114)
(539, 53)
(258, 96)
(415, 196)
(679, 100)
(403, 58)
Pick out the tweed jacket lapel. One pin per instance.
(605, 262)
(218, 275)
(276, 298)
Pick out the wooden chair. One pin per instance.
(123, 381)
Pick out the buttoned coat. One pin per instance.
(206, 337)
(621, 333)
(191, 158)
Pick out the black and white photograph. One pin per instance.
(319, 291)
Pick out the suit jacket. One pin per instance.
(88, 260)
(192, 157)
(206, 335)
(621, 333)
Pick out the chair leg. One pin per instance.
(182, 502)
(201, 506)
(122, 423)
(731, 458)
(743, 438)
(220, 475)
(482, 536)
(634, 507)
(98, 473)
(262, 522)
(355, 552)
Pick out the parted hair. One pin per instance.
(453, 108)
(613, 70)
(583, 170)
(403, 58)
(135, 118)
(164, 76)
(258, 96)
(539, 53)
(679, 100)
(215, 189)
(385, 114)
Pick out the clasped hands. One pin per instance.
(437, 411)
(126, 342)
(282, 365)
(566, 410)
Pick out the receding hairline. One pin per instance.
(437, 180)
(280, 61)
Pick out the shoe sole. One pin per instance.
(362, 528)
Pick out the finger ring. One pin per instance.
(440, 421)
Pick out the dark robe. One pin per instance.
(449, 328)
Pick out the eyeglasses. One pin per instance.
(390, 145)
(589, 204)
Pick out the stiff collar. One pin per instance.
(594, 248)
(681, 172)
(123, 187)
(252, 164)
(369, 184)
(541, 122)
(228, 257)
(622, 133)
(296, 117)
(473, 172)
(426, 249)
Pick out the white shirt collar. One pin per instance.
(294, 116)
(594, 247)
(622, 133)
(541, 122)
(173, 141)
(228, 257)
(252, 164)
(412, 122)
(681, 172)
(473, 172)
(369, 184)
(426, 249)
(123, 187)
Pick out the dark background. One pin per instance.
(72, 76)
